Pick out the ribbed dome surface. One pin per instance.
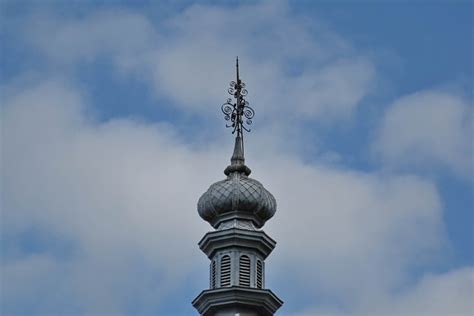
(238, 196)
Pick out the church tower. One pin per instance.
(237, 208)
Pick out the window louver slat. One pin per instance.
(225, 271)
(259, 274)
(244, 271)
(213, 274)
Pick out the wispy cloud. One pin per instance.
(121, 190)
(102, 214)
(192, 52)
(427, 129)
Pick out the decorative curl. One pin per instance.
(248, 112)
(236, 111)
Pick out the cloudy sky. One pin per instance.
(111, 130)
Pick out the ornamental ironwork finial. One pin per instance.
(240, 114)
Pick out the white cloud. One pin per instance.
(449, 293)
(116, 34)
(115, 202)
(119, 194)
(426, 129)
(353, 235)
(441, 294)
(189, 57)
(267, 39)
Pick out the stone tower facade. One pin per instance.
(237, 207)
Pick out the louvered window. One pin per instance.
(259, 274)
(225, 271)
(213, 274)
(244, 271)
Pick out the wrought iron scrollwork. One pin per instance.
(239, 113)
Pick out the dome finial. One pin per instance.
(236, 112)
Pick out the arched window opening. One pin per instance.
(213, 274)
(259, 274)
(225, 271)
(244, 271)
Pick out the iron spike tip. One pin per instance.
(237, 68)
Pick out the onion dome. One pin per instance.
(237, 197)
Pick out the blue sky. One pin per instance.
(111, 130)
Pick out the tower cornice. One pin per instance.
(237, 238)
(261, 302)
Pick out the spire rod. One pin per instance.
(237, 68)
(240, 114)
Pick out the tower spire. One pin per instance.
(237, 207)
(240, 114)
